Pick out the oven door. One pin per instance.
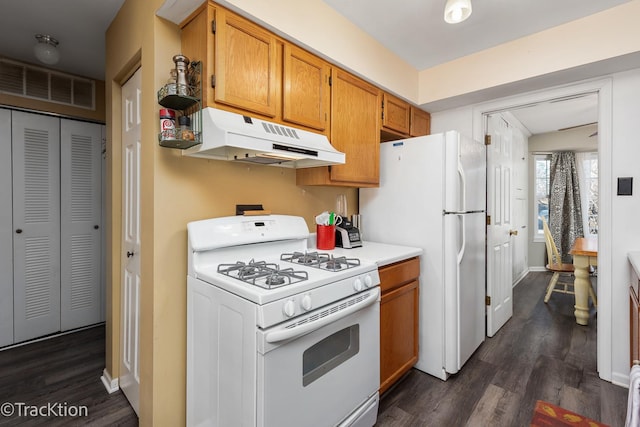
(321, 377)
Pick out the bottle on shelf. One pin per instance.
(167, 124)
(182, 62)
(185, 132)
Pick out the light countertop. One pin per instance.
(380, 253)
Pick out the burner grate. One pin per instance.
(322, 261)
(263, 274)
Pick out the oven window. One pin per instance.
(329, 353)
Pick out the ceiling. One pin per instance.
(413, 29)
(79, 26)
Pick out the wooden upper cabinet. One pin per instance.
(420, 122)
(245, 64)
(355, 128)
(401, 119)
(305, 89)
(395, 114)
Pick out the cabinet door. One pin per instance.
(420, 122)
(306, 88)
(395, 114)
(398, 333)
(6, 232)
(355, 128)
(245, 64)
(36, 220)
(80, 160)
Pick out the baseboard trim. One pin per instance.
(522, 276)
(110, 384)
(620, 379)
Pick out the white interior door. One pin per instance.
(80, 234)
(130, 285)
(6, 231)
(499, 239)
(520, 204)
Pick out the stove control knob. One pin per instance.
(357, 285)
(289, 308)
(306, 302)
(368, 281)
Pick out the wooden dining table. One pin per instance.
(585, 254)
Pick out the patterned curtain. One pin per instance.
(565, 209)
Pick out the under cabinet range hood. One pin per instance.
(232, 136)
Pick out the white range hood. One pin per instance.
(232, 136)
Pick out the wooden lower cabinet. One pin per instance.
(634, 326)
(634, 317)
(398, 320)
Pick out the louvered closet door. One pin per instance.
(6, 232)
(80, 228)
(36, 224)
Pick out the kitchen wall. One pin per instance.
(569, 140)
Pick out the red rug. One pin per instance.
(548, 415)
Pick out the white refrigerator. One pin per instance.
(432, 196)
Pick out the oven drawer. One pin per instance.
(319, 378)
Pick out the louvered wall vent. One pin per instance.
(39, 83)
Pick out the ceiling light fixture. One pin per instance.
(46, 49)
(456, 11)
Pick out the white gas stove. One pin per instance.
(294, 330)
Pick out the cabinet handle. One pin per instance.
(95, 227)
(129, 254)
(19, 230)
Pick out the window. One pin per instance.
(587, 164)
(588, 177)
(542, 171)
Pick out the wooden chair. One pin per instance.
(555, 264)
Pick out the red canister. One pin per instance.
(167, 123)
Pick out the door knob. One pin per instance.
(19, 230)
(513, 232)
(129, 254)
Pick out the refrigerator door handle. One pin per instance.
(463, 184)
(464, 239)
(462, 212)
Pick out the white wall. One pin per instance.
(625, 228)
(620, 225)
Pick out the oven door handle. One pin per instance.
(285, 334)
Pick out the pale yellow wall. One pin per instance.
(601, 36)
(174, 191)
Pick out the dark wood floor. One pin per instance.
(541, 353)
(64, 372)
